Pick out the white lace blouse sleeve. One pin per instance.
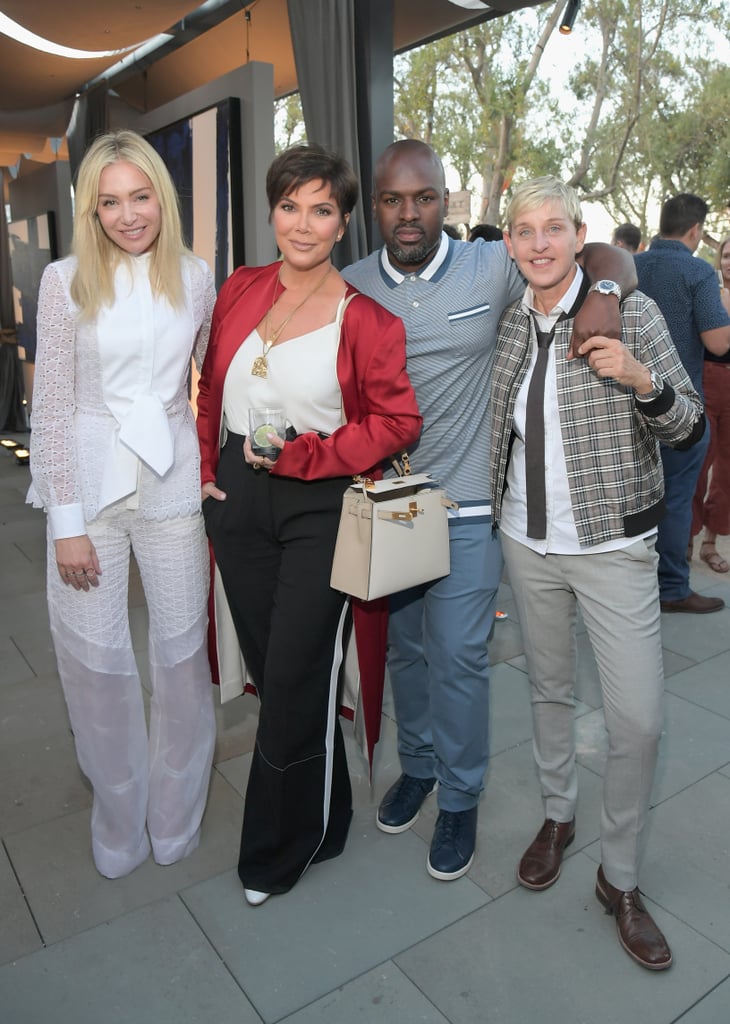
(53, 442)
(204, 300)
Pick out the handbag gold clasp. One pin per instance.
(412, 512)
(367, 482)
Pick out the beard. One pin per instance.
(414, 254)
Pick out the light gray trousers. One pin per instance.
(618, 597)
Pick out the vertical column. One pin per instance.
(257, 152)
(374, 77)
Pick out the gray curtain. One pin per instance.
(323, 36)
(7, 317)
(89, 119)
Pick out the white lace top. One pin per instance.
(111, 419)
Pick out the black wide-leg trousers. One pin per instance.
(273, 540)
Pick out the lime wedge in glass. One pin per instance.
(261, 435)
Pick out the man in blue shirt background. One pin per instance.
(687, 292)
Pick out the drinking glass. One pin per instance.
(261, 423)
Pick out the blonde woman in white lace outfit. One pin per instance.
(115, 463)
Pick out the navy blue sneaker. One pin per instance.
(400, 806)
(452, 846)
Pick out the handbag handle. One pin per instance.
(401, 464)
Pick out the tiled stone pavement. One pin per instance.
(369, 938)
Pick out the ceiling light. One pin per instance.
(472, 5)
(22, 35)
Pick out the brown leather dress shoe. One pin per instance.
(694, 604)
(540, 864)
(637, 932)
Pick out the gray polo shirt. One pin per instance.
(450, 309)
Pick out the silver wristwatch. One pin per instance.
(657, 386)
(606, 288)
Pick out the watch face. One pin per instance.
(607, 288)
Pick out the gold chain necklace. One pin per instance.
(260, 367)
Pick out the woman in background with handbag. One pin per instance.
(294, 336)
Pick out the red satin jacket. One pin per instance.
(381, 417)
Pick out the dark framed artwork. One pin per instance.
(203, 155)
(32, 248)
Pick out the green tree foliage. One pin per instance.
(466, 96)
(647, 130)
(289, 122)
(646, 112)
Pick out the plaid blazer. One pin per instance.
(611, 441)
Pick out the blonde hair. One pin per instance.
(721, 246)
(532, 194)
(97, 256)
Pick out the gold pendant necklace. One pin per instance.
(260, 367)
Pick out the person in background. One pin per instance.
(711, 504)
(488, 232)
(294, 336)
(577, 486)
(115, 463)
(627, 236)
(449, 295)
(685, 289)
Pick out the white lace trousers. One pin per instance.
(156, 784)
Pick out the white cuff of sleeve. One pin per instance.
(67, 521)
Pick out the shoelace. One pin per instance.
(548, 833)
(449, 828)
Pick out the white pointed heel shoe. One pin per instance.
(255, 898)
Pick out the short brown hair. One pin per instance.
(301, 164)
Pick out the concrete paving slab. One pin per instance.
(66, 894)
(695, 742)
(36, 646)
(381, 996)
(18, 933)
(153, 965)
(236, 723)
(510, 814)
(697, 637)
(506, 640)
(555, 956)
(706, 684)
(343, 918)
(685, 869)
(712, 1009)
(41, 780)
(15, 666)
(19, 612)
(509, 708)
(30, 538)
